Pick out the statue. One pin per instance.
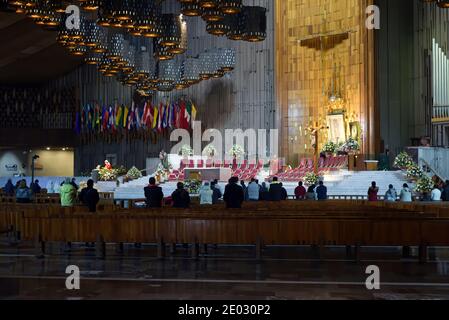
(107, 165)
(163, 156)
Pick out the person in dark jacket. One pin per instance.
(73, 183)
(216, 196)
(9, 189)
(35, 187)
(233, 195)
(445, 193)
(153, 194)
(284, 195)
(321, 191)
(181, 198)
(264, 194)
(275, 190)
(89, 196)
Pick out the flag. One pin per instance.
(111, 122)
(119, 116)
(159, 120)
(178, 117)
(137, 118)
(145, 115)
(188, 112)
(155, 117)
(131, 117)
(78, 123)
(193, 113)
(164, 117)
(125, 117)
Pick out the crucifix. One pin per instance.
(314, 131)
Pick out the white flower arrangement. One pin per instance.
(186, 151)
(236, 151)
(311, 178)
(351, 145)
(424, 185)
(210, 151)
(403, 161)
(414, 171)
(329, 147)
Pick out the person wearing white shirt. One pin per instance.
(406, 194)
(436, 194)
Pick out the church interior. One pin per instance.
(224, 149)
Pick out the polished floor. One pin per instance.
(220, 273)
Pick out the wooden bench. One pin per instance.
(353, 223)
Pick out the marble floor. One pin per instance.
(220, 273)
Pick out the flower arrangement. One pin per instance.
(186, 151)
(350, 146)
(414, 171)
(236, 151)
(403, 161)
(106, 174)
(329, 147)
(133, 173)
(192, 186)
(311, 178)
(424, 185)
(121, 171)
(210, 151)
(161, 171)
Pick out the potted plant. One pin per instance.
(133, 174)
(351, 146)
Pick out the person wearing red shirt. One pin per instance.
(300, 191)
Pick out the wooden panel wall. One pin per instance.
(242, 99)
(304, 75)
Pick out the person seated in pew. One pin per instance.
(253, 190)
(321, 191)
(406, 194)
(311, 194)
(300, 191)
(245, 190)
(373, 191)
(35, 187)
(153, 194)
(233, 195)
(180, 197)
(8, 189)
(436, 194)
(391, 195)
(89, 196)
(216, 192)
(206, 194)
(68, 194)
(23, 193)
(73, 183)
(275, 190)
(264, 194)
(284, 194)
(445, 193)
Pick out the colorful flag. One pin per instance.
(156, 117)
(119, 117)
(125, 117)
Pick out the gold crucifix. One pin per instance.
(314, 131)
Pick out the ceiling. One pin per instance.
(29, 54)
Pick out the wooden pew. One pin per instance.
(287, 223)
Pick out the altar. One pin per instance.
(208, 174)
